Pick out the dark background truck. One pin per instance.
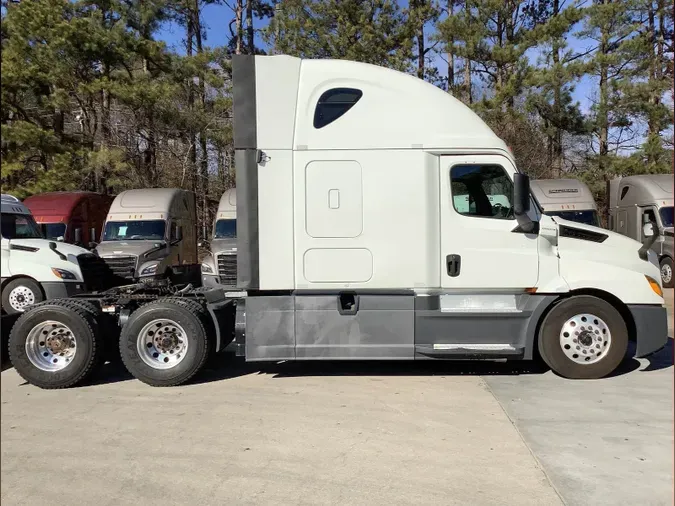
(73, 217)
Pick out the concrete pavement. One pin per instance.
(289, 436)
(373, 433)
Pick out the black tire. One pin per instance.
(85, 329)
(552, 352)
(189, 315)
(667, 265)
(28, 283)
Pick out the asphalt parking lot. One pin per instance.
(429, 433)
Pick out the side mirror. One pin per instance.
(78, 235)
(92, 234)
(179, 233)
(648, 229)
(521, 203)
(521, 194)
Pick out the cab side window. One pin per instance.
(483, 191)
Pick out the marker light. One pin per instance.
(655, 286)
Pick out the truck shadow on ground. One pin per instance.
(225, 366)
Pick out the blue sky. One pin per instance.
(216, 18)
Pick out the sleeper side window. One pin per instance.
(484, 191)
(334, 103)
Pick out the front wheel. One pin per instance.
(583, 337)
(667, 272)
(19, 294)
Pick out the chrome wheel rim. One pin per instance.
(162, 344)
(585, 339)
(21, 297)
(666, 273)
(51, 346)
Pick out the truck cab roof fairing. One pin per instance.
(394, 110)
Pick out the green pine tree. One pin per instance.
(370, 31)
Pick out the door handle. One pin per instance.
(454, 264)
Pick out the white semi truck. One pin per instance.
(569, 199)
(324, 152)
(634, 200)
(219, 268)
(34, 268)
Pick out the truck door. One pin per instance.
(480, 245)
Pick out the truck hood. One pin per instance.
(128, 248)
(63, 247)
(223, 245)
(603, 247)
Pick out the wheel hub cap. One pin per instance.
(585, 338)
(21, 297)
(51, 346)
(162, 344)
(666, 273)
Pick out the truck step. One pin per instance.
(458, 350)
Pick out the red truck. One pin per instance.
(73, 217)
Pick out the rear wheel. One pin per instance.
(55, 345)
(166, 342)
(19, 294)
(667, 272)
(583, 337)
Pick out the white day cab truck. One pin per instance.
(634, 200)
(324, 150)
(35, 269)
(219, 268)
(569, 199)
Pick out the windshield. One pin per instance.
(588, 217)
(150, 230)
(53, 230)
(666, 216)
(226, 229)
(19, 226)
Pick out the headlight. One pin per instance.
(206, 269)
(63, 274)
(150, 269)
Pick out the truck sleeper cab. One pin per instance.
(73, 217)
(219, 268)
(334, 159)
(569, 199)
(35, 269)
(648, 197)
(151, 233)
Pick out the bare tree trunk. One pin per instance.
(451, 52)
(239, 21)
(249, 27)
(603, 112)
(192, 138)
(204, 158)
(557, 152)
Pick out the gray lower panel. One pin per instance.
(487, 333)
(60, 289)
(270, 328)
(381, 328)
(651, 328)
(385, 327)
